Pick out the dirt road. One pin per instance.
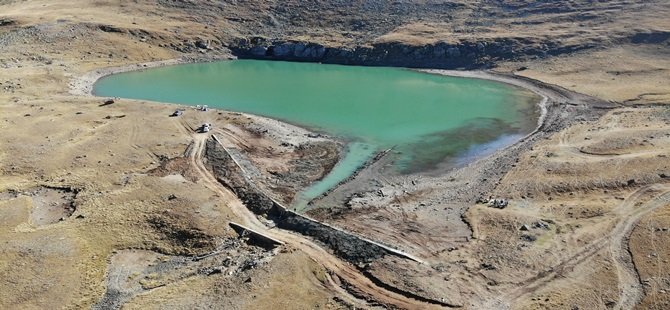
(630, 211)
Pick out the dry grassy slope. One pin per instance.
(52, 138)
(571, 21)
(627, 147)
(630, 73)
(117, 200)
(649, 243)
(585, 182)
(364, 21)
(577, 178)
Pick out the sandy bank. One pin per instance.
(83, 85)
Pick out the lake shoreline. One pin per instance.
(86, 84)
(584, 191)
(83, 85)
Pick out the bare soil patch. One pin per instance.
(51, 205)
(133, 272)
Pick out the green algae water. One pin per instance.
(428, 120)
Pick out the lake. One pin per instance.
(429, 120)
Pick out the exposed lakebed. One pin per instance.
(429, 120)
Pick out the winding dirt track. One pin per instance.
(630, 288)
(344, 271)
(567, 147)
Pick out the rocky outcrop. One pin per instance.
(463, 55)
(651, 37)
(110, 28)
(475, 54)
(6, 22)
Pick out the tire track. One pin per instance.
(630, 288)
(571, 149)
(134, 138)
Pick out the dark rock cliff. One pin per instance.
(464, 55)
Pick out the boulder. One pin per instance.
(417, 53)
(201, 44)
(345, 53)
(110, 28)
(319, 51)
(258, 40)
(541, 224)
(528, 238)
(299, 50)
(453, 52)
(283, 50)
(439, 51)
(6, 22)
(259, 50)
(313, 51)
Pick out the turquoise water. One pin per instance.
(429, 120)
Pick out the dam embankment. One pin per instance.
(354, 249)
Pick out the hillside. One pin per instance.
(110, 204)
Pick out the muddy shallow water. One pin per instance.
(428, 120)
